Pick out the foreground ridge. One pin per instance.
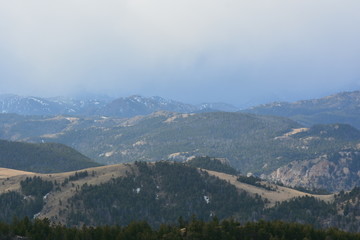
(160, 192)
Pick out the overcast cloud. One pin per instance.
(190, 50)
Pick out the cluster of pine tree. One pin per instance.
(255, 181)
(28, 202)
(194, 229)
(212, 164)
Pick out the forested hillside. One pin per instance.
(161, 193)
(161, 136)
(42, 157)
(250, 143)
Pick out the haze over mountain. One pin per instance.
(342, 107)
(175, 143)
(120, 107)
(208, 50)
(10, 103)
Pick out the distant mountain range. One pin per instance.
(270, 146)
(338, 108)
(121, 107)
(48, 106)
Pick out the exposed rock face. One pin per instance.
(335, 172)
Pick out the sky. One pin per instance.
(236, 51)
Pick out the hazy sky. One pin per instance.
(190, 50)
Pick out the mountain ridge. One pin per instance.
(120, 107)
(341, 107)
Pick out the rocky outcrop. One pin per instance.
(334, 172)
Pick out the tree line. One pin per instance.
(195, 229)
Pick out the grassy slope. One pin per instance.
(280, 195)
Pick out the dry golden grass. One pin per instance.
(10, 179)
(293, 132)
(56, 201)
(173, 118)
(281, 194)
(7, 172)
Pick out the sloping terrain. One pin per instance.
(159, 192)
(8, 172)
(338, 108)
(162, 192)
(275, 195)
(42, 157)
